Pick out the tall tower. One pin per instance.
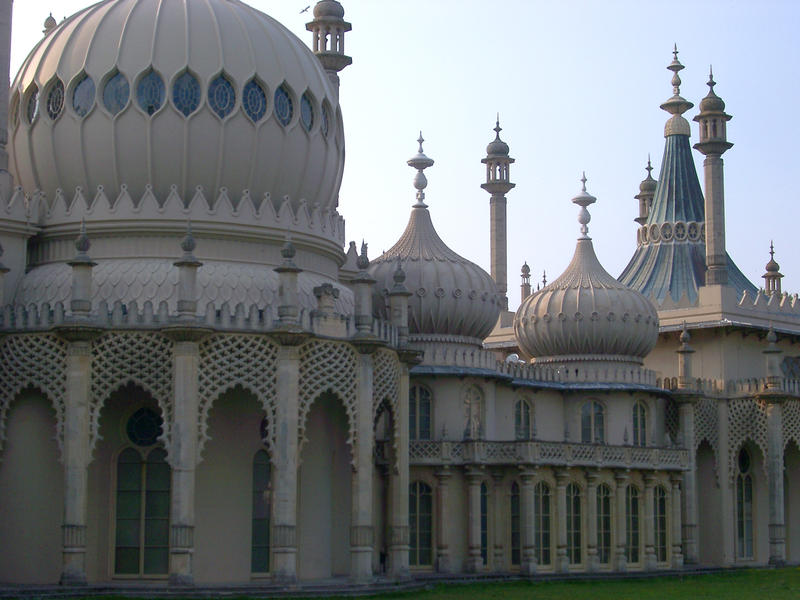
(773, 275)
(498, 184)
(713, 143)
(328, 29)
(5, 77)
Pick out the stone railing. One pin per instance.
(545, 453)
(252, 319)
(582, 374)
(734, 387)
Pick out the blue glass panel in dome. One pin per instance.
(324, 123)
(32, 109)
(186, 94)
(221, 97)
(116, 93)
(83, 96)
(150, 92)
(55, 100)
(283, 106)
(306, 112)
(254, 100)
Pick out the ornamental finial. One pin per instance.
(583, 200)
(188, 243)
(649, 167)
(420, 162)
(362, 262)
(497, 128)
(82, 243)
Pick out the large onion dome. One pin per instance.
(586, 314)
(451, 296)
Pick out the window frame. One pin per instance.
(574, 519)
(745, 501)
(661, 524)
(416, 489)
(523, 410)
(632, 494)
(639, 415)
(605, 524)
(543, 522)
(596, 422)
(415, 423)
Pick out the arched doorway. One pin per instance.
(708, 503)
(325, 490)
(791, 492)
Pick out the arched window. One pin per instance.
(604, 524)
(592, 423)
(484, 524)
(141, 544)
(259, 561)
(83, 96)
(632, 524)
(516, 540)
(541, 519)
(744, 507)
(574, 550)
(419, 413)
(639, 424)
(221, 96)
(116, 93)
(420, 517)
(150, 92)
(523, 420)
(186, 93)
(660, 525)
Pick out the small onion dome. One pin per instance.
(712, 102)
(586, 314)
(772, 265)
(49, 24)
(648, 185)
(497, 147)
(330, 9)
(526, 270)
(450, 295)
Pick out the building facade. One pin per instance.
(199, 386)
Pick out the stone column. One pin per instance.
(527, 563)
(284, 462)
(620, 558)
(675, 530)
(689, 495)
(183, 459)
(361, 532)
(728, 518)
(777, 524)
(442, 518)
(399, 484)
(77, 456)
(474, 562)
(592, 560)
(499, 510)
(562, 560)
(650, 560)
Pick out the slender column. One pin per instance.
(499, 245)
(183, 460)
(716, 256)
(442, 517)
(527, 523)
(649, 523)
(777, 524)
(76, 462)
(399, 482)
(620, 558)
(474, 562)
(726, 492)
(592, 561)
(675, 532)
(562, 560)
(361, 532)
(499, 510)
(284, 462)
(689, 495)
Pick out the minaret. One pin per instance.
(647, 189)
(713, 143)
(328, 29)
(5, 77)
(773, 276)
(498, 184)
(525, 288)
(49, 24)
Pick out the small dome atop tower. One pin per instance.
(712, 102)
(49, 24)
(497, 147)
(329, 8)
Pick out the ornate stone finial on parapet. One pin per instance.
(772, 276)
(3, 271)
(328, 29)
(289, 307)
(187, 276)
(398, 303)
(685, 360)
(544, 278)
(362, 287)
(420, 162)
(525, 287)
(326, 296)
(583, 200)
(49, 25)
(676, 105)
(81, 301)
(773, 358)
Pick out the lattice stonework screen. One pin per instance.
(230, 360)
(791, 422)
(386, 388)
(38, 361)
(328, 366)
(747, 421)
(145, 359)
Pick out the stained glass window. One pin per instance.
(221, 97)
(83, 96)
(306, 112)
(55, 99)
(254, 100)
(150, 93)
(32, 107)
(259, 562)
(420, 520)
(283, 106)
(116, 93)
(186, 94)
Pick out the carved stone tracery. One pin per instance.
(385, 389)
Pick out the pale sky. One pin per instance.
(577, 86)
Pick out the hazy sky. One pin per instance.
(577, 85)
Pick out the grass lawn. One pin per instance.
(756, 585)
